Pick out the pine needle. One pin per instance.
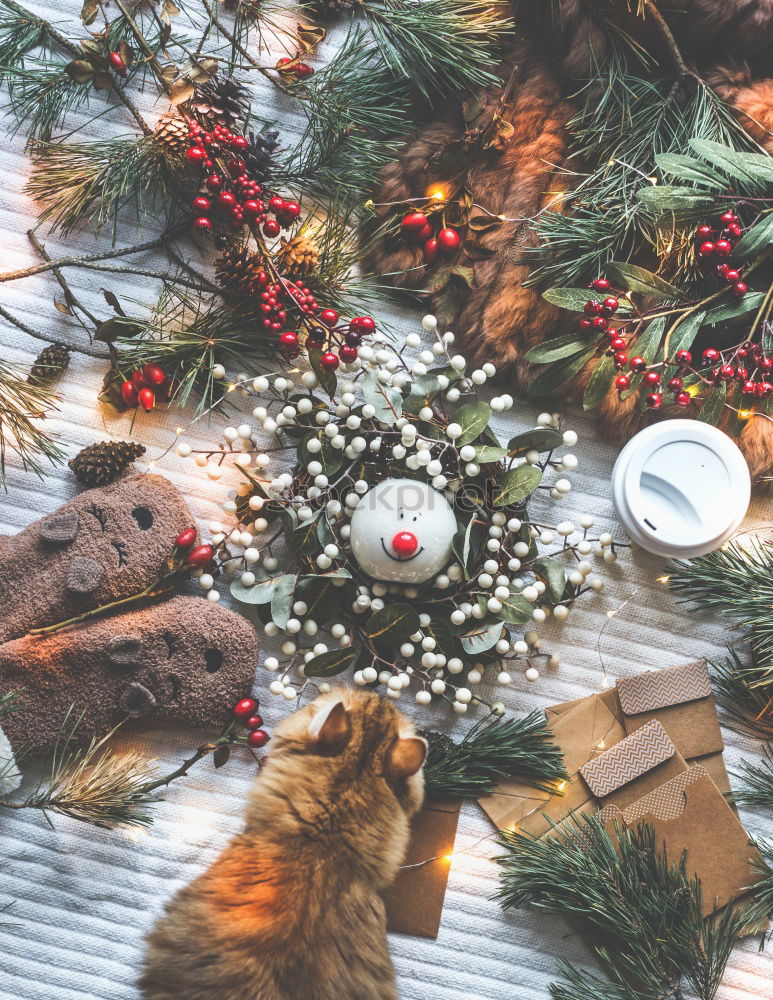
(758, 781)
(23, 407)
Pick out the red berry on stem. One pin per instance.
(116, 62)
(214, 182)
(303, 70)
(367, 325)
(749, 387)
(732, 275)
(449, 240)
(329, 317)
(682, 399)
(706, 249)
(239, 142)
(654, 400)
(276, 204)
(683, 357)
(347, 354)
(153, 374)
(129, 393)
(202, 555)
(254, 722)
(621, 360)
(196, 155)
(638, 364)
(424, 234)
(722, 270)
(271, 227)
(722, 248)
(431, 248)
(244, 709)
(226, 199)
(592, 308)
(258, 739)
(202, 204)
(599, 323)
(611, 304)
(740, 289)
(703, 232)
(622, 382)
(601, 285)
(293, 209)
(329, 361)
(617, 343)
(728, 217)
(186, 538)
(289, 344)
(251, 208)
(734, 230)
(652, 377)
(585, 325)
(138, 379)
(236, 166)
(711, 355)
(675, 384)
(146, 399)
(203, 223)
(727, 372)
(414, 222)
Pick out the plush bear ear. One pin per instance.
(330, 729)
(60, 529)
(84, 575)
(408, 756)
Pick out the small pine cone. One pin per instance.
(329, 8)
(49, 364)
(259, 155)
(297, 257)
(221, 101)
(99, 464)
(172, 133)
(237, 270)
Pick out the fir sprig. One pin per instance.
(735, 582)
(757, 789)
(749, 708)
(491, 751)
(641, 907)
(23, 407)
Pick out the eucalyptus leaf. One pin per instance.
(282, 599)
(661, 199)
(646, 346)
(473, 418)
(441, 631)
(552, 574)
(304, 538)
(738, 166)
(599, 382)
(517, 484)
(329, 664)
(737, 307)
(516, 610)
(565, 346)
(537, 439)
(639, 279)
(548, 381)
(483, 637)
(321, 596)
(259, 593)
(756, 239)
(687, 168)
(486, 453)
(685, 333)
(567, 298)
(385, 399)
(392, 624)
(714, 406)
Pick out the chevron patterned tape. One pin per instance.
(658, 688)
(631, 757)
(666, 802)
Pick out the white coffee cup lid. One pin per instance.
(681, 488)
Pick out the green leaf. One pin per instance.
(327, 378)
(552, 574)
(548, 381)
(441, 631)
(685, 333)
(259, 593)
(738, 166)
(517, 484)
(639, 279)
(392, 624)
(687, 168)
(537, 439)
(330, 458)
(473, 418)
(661, 199)
(485, 453)
(647, 347)
(568, 298)
(335, 661)
(387, 400)
(756, 239)
(599, 382)
(516, 610)
(713, 408)
(321, 596)
(282, 599)
(483, 637)
(737, 307)
(304, 538)
(559, 347)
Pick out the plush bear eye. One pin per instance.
(144, 518)
(213, 660)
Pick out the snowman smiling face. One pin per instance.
(402, 531)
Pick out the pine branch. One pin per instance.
(735, 582)
(641, 906)
(762, 908)
(22, 406)
(441, 47)
(748, 706)
(490, 752)
(758, 781)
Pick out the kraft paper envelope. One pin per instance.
(636, 783)
(681, 699)
(414, 901)
(582, 733)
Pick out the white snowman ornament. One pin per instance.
(402, 530)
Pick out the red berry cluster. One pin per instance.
(715, 244)
(246, 712)
(146, 386)
(417, 228)
(115, 60)
(746, 364)
(197, 557)
(228, 193)
(277, 299)
(341, 339)
(300, 69)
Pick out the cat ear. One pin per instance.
(408, 756)
(331, 728)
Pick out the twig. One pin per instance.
(143, 44)
(70, 296)
(668, 38)
(82, 261)
(92, 352)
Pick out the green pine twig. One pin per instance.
(490, 752)
(758, 781)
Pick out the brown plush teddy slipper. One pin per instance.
(105, 544)
(185, 660)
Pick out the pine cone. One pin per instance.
(297, 257)
(221, 100)
(99, 464)
(49, 364)
(329, 8)
(259, 155)
(237, 269)
(172, 134)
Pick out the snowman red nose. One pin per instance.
(405, 544)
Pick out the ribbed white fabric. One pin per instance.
(83, 898)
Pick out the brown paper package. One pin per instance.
(414, 901)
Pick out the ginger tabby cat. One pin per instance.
(291, 910)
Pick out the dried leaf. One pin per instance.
(79, 70)
(89, 11)
(169, 9)
(102, 80)
(63, 307)
(221, 755)
(112, 301)
(182, 90)
(475, 251)
(503, 132)
(310, 36)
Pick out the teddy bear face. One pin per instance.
(104, 544)
(402, 531)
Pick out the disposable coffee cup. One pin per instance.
(681, 488)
